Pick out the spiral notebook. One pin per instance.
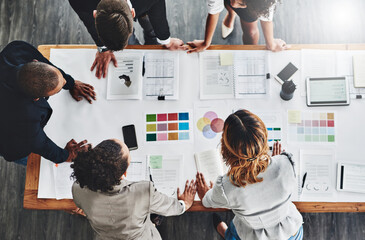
(233, 74)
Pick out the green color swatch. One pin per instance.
(151, 118)
(151, 137)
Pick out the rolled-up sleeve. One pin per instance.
(164, 205)
(215, 6)
(216, 197)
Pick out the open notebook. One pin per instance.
(210, 164)
(229, 74)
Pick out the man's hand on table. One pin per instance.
(83, 90)
(188, 195)
(73, 148)
(176, 44)
(101, 63)
(201, 185)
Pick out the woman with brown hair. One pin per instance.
(257, 187)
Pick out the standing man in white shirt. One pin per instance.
(249, 11)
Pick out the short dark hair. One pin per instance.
(100, 168)
(114, 23)
(37, 79)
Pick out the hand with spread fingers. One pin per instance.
(101, 63)
(276, 149)
(74, 147)
(201, 185)
(198, 46)
(176, 44)
(83, 90)
(188, 195)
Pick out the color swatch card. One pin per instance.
(168, 127)
(273, 123)
(311, 127)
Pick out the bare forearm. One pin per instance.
(268, 30)
(211, 24)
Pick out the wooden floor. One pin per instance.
(54, 22)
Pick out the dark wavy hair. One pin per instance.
(244, 147)
(259, 7)
(100, 168)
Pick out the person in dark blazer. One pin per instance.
(115, 207)
(112, 27)
(27, 79)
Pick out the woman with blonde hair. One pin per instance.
(257, 187)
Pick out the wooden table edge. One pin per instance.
(32, 174)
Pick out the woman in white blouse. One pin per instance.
(257, 187)
(249, 11)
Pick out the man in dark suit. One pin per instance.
(112, 27)
(27, 79)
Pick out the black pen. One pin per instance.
(143, 67)
(303, 182)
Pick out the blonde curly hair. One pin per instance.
(244, 147)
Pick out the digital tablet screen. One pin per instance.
(328, 90)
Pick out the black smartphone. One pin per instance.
(287, 72)
(129, 135)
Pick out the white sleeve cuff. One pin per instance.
(183, 204)
(164, 42)
(215, 6)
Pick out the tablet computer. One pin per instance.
(331, 91)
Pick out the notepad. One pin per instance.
(359, 70)
(210, 164)
(351, 177)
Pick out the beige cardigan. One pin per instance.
(124, 213)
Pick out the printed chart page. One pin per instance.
(251, 68)
(63, 181)
(210, 164)
(161, 76)
(216, 79)
(166, 173)
(137, 170)
(125, 81)
(319, 184)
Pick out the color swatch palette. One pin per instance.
(164, 127)
(311, 127)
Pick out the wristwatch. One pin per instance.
(102, 49)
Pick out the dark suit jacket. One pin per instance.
(155, 9)
(21, 118)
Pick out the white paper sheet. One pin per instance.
(351, 177)
(320, 180)
(161, 75)
(129, 64)
(62, 180)
(167, 178)
(216, 80)
(210, 164)
(250, 73)
(137, 170)
(46, 184)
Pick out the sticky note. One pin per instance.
(156, 161)
(294, 116)
(226, 59)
